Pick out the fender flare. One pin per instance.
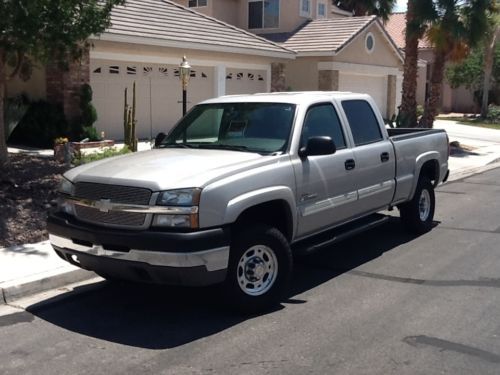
(420, 161)
(239, 204)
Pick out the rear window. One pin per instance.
(364, 125)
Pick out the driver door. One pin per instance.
(325, 183)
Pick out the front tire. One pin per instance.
(418, 214)
(260, 267)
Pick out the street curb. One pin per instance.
(28, 287)
(459, 175)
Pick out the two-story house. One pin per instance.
(335, 51)
(233, 46)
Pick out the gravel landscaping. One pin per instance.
(27, 186)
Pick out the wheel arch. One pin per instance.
(273, 206)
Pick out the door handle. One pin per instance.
(384, 156)
(350, 164)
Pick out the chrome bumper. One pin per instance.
(213, 259)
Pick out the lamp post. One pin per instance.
(184, 74)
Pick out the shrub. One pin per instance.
(80, 158)
(493, 114)
(42, 123)
(15, 109)
(91, 133)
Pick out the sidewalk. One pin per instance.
(34, 268)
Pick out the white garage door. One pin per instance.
(242, 81)
(375, 86)
(158, 95)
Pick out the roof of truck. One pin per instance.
(295, 97)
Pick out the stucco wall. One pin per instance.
(382, 55)
(139, 51)
(34, 88)
(302, 74)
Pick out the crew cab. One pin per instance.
(242, 184)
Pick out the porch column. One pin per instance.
(220, 80)
(391, 96)
(328, 80)
(278, 79)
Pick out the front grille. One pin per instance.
(93, 215)
(115, 193)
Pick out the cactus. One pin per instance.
(129, 121)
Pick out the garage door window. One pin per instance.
(364, 125)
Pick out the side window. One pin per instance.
(364, 125)
(322, 120)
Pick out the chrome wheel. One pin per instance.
(257, 270)
(424, 205)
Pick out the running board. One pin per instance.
(315, 243)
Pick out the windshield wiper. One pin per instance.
(226, 147)
(177, 145)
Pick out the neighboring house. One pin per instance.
(145, 44)
(234, 46)
(335, 51)
(452, 100)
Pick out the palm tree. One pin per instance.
(489, 50)
(418, 15)
(459, 25)
(380, 8)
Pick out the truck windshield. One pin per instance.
(252, 127)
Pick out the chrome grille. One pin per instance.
(112, 217)
(115, 193)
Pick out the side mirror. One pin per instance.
(159, 139)
(318, 146)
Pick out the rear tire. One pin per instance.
(260, 267)
(417, 215)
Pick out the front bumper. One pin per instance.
(191, 258)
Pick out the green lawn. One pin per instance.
(472, 122)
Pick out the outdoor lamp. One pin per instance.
(184, 74)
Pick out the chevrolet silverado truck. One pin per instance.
(242, 184)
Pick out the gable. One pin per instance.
(383, 54)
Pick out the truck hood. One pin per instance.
(164, 169)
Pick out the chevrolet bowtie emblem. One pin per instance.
(103, 205)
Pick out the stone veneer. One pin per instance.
(64, 85)
(278, 79)
(391, 96)
(328, 80)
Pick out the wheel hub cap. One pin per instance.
(424, 205)
(257, 270)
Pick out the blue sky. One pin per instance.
(400, 6)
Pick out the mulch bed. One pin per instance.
(28, 184)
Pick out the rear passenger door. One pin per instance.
(325, 183)
(374, 156)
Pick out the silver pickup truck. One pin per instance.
(243, 183)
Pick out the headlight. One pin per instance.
(66, 187)
(187, 201)
(181, 197)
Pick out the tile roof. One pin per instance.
(396, 25)
(327, 35)
(165, 22)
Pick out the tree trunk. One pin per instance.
(488, 68)
(433, 102)
(3, 142)
(408, 110)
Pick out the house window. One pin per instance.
(321, 9)
(305, 8)
(197, 3)
(369, 43)
(263, 14)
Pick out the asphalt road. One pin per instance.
(382, 303)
